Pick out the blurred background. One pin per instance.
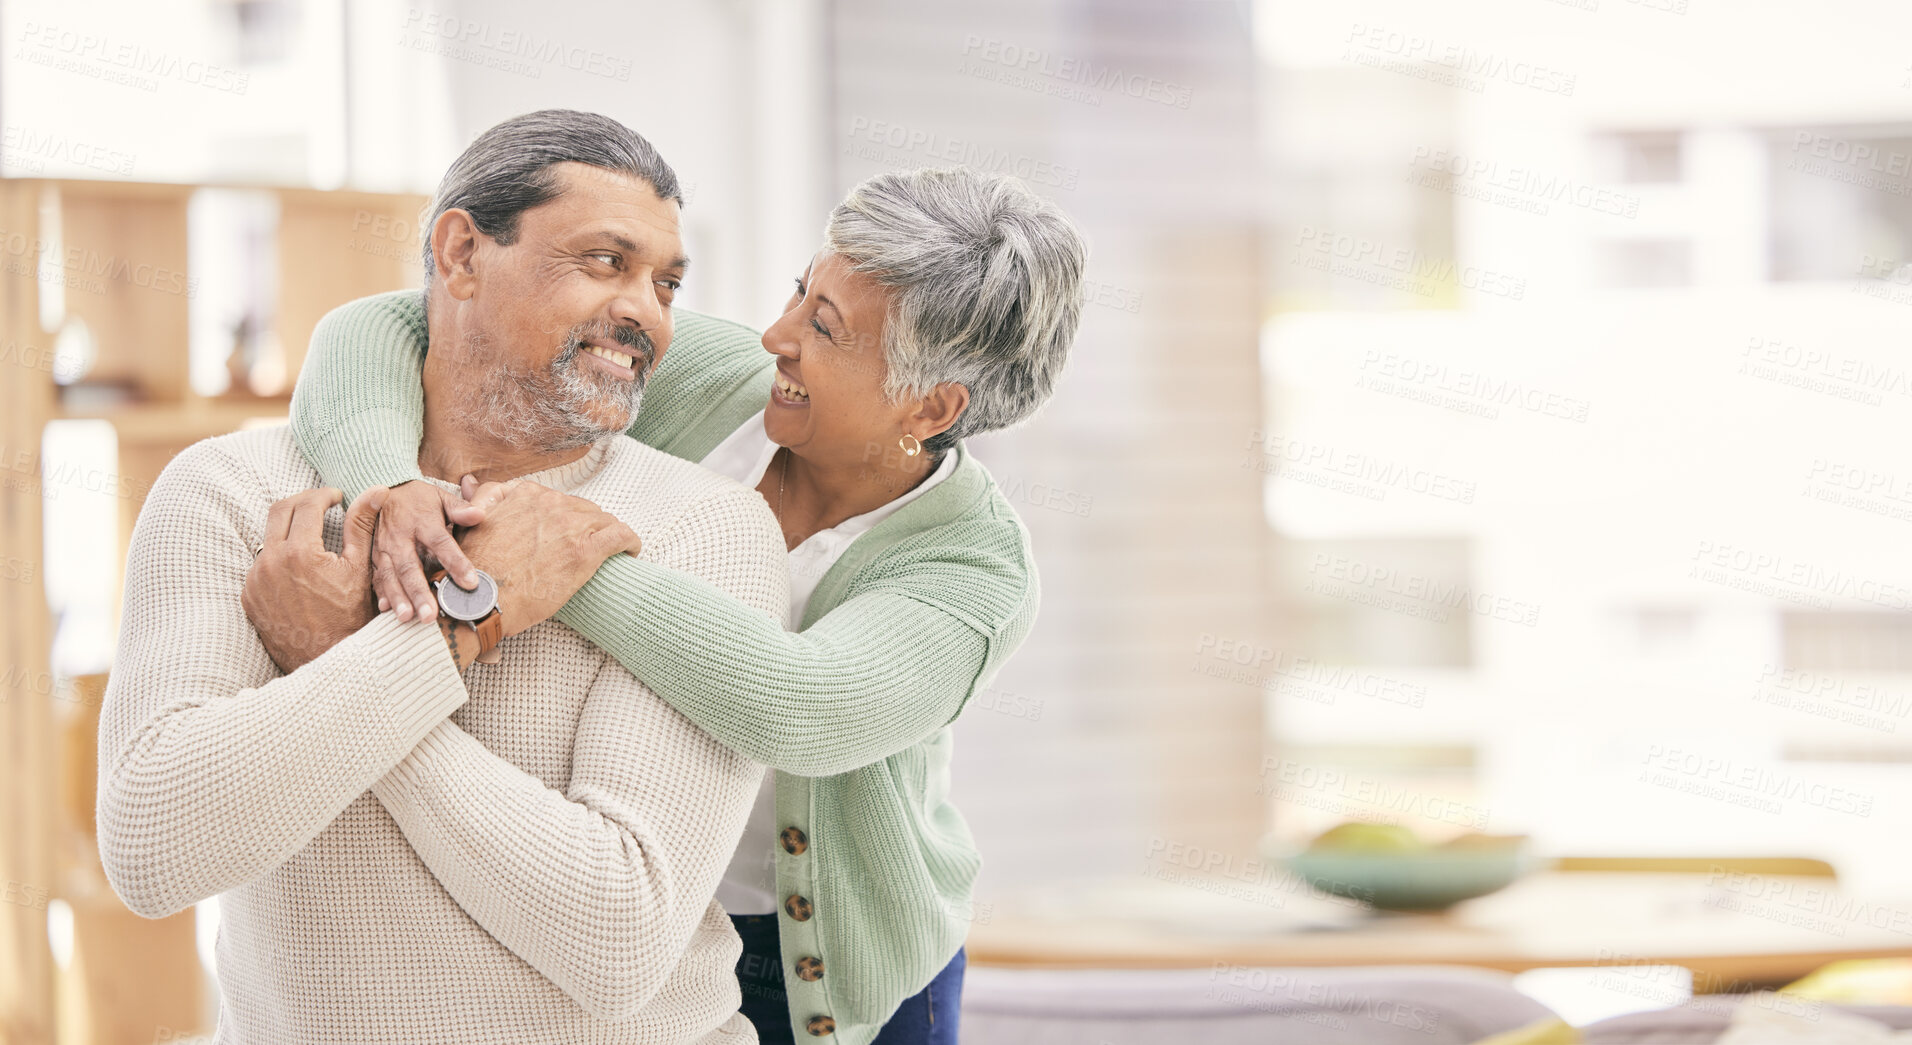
(1488, 419)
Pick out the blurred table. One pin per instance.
(1734, 932)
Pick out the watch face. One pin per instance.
(459, 604)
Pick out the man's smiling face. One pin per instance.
(566, 321)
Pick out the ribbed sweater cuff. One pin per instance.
(420, 680)
(616, 593)
(371, 448)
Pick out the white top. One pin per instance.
(750, 883)
(523, 852)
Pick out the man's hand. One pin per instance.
(302, 598)
(540, 545)
(417, 521)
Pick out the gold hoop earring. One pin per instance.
(911, 447)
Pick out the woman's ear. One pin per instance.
(454, 247)
(941, 408)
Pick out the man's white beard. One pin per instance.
(550, 409)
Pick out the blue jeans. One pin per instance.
(929, 1017)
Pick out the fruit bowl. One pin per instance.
(1414, 877)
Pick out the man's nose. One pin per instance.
(639, 309)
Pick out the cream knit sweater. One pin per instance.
(524, 854)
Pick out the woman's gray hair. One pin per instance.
(507, 170)
(985, 284)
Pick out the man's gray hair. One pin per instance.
(986, 288)
(507, 170)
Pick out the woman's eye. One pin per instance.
(821, 329)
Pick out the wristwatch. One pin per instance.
(477, 607)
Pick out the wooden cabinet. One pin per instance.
(116, 256)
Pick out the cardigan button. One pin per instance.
(820, 1026)
(810, 969)
(794, 842)
(797, 908)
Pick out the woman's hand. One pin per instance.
(416, 521)
(541, 545)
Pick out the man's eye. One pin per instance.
(608, 259)
(672, 284)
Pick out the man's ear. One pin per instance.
(455, 242)
(941, 408)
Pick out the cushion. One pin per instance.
(1240, 1005)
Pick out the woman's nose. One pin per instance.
(779, 342)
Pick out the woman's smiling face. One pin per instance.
(827, 404)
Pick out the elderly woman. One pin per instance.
(942, 305)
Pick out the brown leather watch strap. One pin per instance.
(491, 632)
(490, 628)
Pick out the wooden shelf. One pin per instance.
(123, 262)
(146, 422)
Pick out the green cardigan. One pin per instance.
(852, 711)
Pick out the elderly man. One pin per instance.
(410, 846)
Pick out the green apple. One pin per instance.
(1362, 837)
